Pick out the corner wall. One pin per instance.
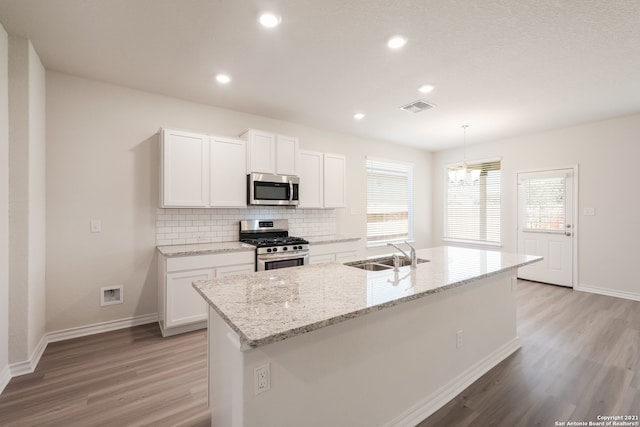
(102, 163)
(27, 205)
(4, 209)
(607, 154)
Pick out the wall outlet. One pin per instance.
(459, 335)
(95, 226)
(262, 379)
(110, 295)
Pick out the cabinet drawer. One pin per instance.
(210, 260)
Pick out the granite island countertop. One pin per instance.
(270, 306)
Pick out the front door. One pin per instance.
(546, 225)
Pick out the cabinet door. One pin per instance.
(334, 181)
(185, 169)
(228, 179)
(311, 179)
(286, 155)
(261, 151)
(235, 269)
(184, 304)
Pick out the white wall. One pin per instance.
(102, 163)
(607, 153)
(27, 209)
(4, 209)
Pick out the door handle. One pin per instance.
(567, 234)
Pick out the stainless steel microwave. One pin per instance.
(272, 190)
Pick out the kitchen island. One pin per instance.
(344, 346)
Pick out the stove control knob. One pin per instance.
(285, 248)
(275, 249)
(296, 247)
(268, 250)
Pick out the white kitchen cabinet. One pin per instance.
(271, 153)
(322, 180)
(184, 304)
(334, 181)
(311, 179)
(336, 251)
(180, 307)
(286, 155)
(184, 169)
(228, 181)
(202, 171)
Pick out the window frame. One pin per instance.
(411, 192)
(445, 204)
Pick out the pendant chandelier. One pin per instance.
(462, 175)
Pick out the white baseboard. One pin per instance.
(608, 292)
(97, 328)
(28, 366)
(436, 400)
(5, 377)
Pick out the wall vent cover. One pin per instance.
(417, 106)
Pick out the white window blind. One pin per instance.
(472, 211)
(545, 204)
(389, 201)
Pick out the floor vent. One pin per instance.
(417, 106)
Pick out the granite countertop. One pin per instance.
(270, 306)
(204, 248)
(319, 240)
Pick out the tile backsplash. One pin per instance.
(186, 226)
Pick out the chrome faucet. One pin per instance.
(412, 257)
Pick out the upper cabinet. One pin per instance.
(228, 178)
(322, 180)
(286, 155)
(271, 153)
(184, 159)
(311, 179)
(201, 171)
(335, 171)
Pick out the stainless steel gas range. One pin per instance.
(274, 247)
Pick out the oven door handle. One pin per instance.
(283, 255)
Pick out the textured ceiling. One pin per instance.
(504, 67)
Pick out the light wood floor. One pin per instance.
(580, 358)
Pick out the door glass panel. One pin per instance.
(545, 204)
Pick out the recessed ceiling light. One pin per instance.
(396, 42)
(358, 116)
(426, 88)
(270, 20)
(223, 78)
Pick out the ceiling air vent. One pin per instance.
(417, 106)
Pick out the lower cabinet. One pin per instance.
(180, 307)
(333, 252)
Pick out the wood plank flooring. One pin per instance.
(580, 358)
(129, 377)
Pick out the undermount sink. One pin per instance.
(383, 263)
(369, 266)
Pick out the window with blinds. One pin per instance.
(389, 201)
(545, 204)
(472, 211)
